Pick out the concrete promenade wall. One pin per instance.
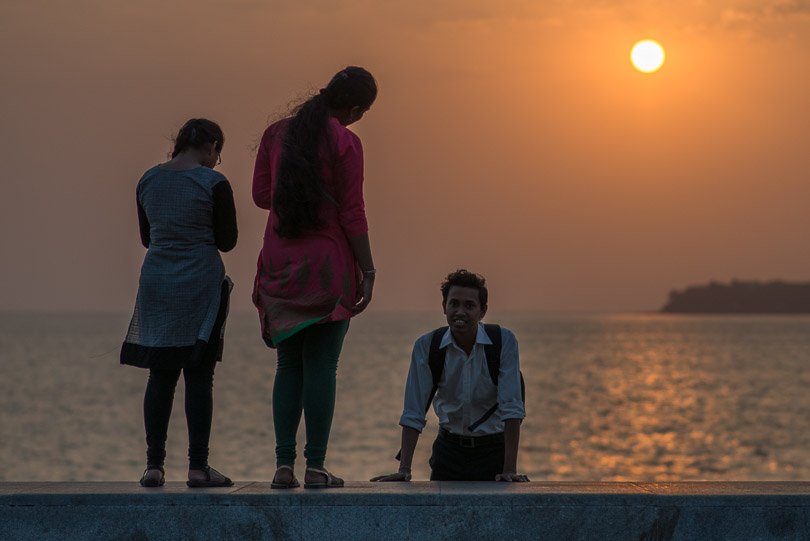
(420, 510)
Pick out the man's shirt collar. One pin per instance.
(481, 337)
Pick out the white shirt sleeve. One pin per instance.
(510, 400)
(418, 386)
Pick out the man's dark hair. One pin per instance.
(465, 278)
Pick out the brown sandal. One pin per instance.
(212, 479)
(330, 480)
(149, 482)
(293, 483)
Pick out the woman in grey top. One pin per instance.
(187, 216)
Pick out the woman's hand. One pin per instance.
(362, 254)
(364, 292)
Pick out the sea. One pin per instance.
(609, 397)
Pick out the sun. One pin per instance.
(647, 56)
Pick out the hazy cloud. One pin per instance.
(421, 12)
(766, 12)
(771, 19)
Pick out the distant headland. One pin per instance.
(739, 297)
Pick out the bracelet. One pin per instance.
(370, 272)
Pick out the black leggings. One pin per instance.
(157, 408)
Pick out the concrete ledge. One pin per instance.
(422, 510)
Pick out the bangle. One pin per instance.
(370, 272)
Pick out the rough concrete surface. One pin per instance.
(423, 510)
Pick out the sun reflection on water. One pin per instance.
(654, 398)
(659, 399)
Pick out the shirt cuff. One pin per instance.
(410, 421)
(512, 411)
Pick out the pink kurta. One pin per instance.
(313, 278)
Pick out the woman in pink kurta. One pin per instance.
(312, 278)
(315, 269)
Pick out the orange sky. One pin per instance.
(511, 138)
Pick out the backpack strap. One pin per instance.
(493, 354)
(494, 357)
(436, 357)
(493, 351)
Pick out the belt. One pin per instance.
(470, 442)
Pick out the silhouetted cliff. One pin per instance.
(742, 298)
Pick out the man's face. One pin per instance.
(463, 309)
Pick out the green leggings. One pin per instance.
(306, 378)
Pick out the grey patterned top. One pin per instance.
(182, 273)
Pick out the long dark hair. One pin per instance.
(298, 193)
(196, 133)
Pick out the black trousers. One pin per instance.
(466, 459)
(157, 408)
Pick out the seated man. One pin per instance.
(470, 372)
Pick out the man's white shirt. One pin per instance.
(466, 391)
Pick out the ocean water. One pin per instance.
(609, 397)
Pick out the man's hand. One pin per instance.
(399, 476)
(512, 477)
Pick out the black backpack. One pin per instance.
(437, 356)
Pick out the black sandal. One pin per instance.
(212, 479)
(152, 483)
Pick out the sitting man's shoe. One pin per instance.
(212, 479)
(153, 476)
